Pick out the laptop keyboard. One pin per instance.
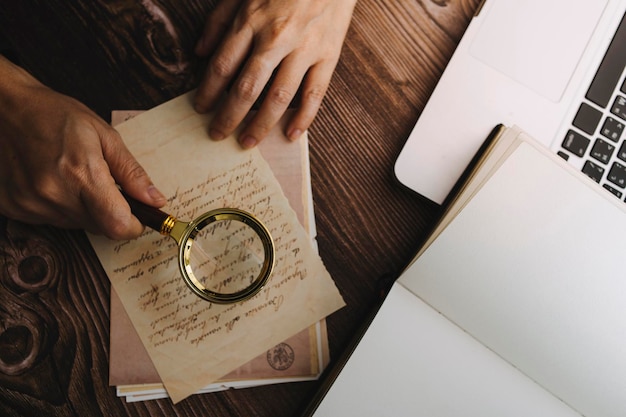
(597, 132)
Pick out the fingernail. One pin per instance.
(294, 134)
(216, 134)
(155, 194)
(248, 142)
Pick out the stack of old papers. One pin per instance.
(283, 342)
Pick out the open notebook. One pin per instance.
(515, 306)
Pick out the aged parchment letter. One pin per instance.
(190, 341)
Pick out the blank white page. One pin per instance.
(533, 267)
(414, 362)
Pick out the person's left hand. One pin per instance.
(247, 40)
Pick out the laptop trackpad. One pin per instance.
(537, 43)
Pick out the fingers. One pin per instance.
(247, 72)
(110, 213)
(216, 25)
(57, 201)
(128, 173)
(280, 94)
(222, 68)
(297, 41)
(246, 86)
(243, 94)
(108, 204)
(314, 89)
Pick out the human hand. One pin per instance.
(60, 163)
(247, 40)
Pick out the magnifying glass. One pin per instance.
(224, 255)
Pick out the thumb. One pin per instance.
(128, 173)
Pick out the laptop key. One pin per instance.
(617, 175)
(587, 118)
(621, 154)
(612, 129)
(614, 191)
(605, 81)
(619, 107)
(602, 151)
(575, 143)
(593, 171)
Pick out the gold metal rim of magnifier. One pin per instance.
(186, 242)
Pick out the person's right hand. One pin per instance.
(61, 164)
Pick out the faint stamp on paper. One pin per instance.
(281, 356)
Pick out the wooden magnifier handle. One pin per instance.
(150, 216)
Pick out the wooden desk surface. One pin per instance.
(54, 296)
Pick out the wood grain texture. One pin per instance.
(125, 54)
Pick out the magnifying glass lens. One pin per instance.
(226, 256)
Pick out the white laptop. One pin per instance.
(530, 63)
